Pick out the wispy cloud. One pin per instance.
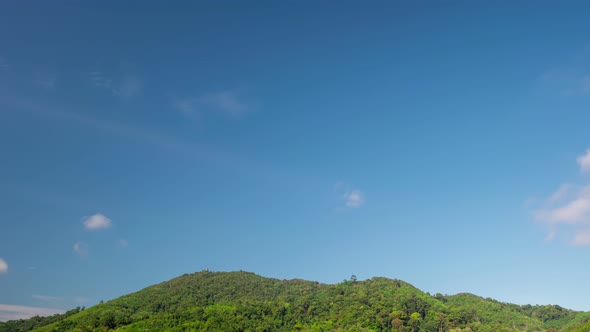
(567, 82)
(3, 266)
(162, 141)
(582, 238)
(123, 243)
(139, 134)
(568, 206)
(96, 222)
(573, 212)
(226, 102)
(13, 312)
(572, 78)
(127, 86)
(100, 80)
(80, 248)
(560, 194)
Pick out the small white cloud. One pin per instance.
(3, 266)
(13, 312)
(96, 222)
(582, 238)
(354, 199)
(80, 248)
(584, 161)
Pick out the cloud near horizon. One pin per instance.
(12, 312)
(96, 222)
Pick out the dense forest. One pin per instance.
(242, 301)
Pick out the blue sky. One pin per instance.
(442, 143)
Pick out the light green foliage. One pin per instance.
(245, 302)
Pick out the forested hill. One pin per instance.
(242, 301)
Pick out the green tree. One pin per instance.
(415, 321)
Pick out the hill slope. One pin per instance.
(242, 301)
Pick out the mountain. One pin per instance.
(243, 301)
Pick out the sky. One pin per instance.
(444, 143)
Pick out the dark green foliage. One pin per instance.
(241, 301)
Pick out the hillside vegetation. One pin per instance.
(242, 301)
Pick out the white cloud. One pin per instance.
(96, 222)
(3, 266)
(584, 161)
(12, 312)
(568, 207)
(575, 211)
(582, 238)
(354, 199)
(80, 248)
(560, 194)
(226, 102)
